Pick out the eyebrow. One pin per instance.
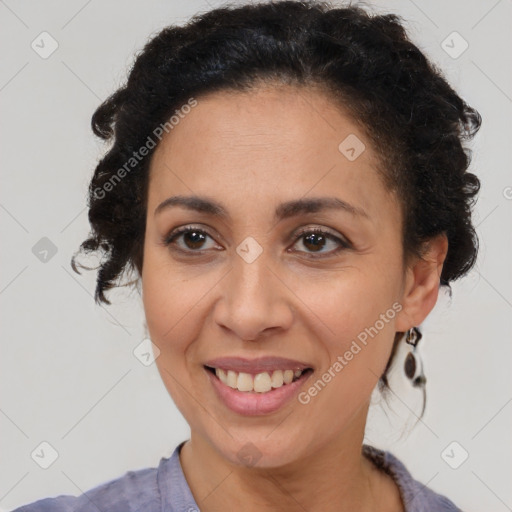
(283, 211)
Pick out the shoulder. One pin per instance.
(416, 496)
(133, 491)
(145, 490)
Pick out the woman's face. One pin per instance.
(254, 282)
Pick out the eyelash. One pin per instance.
(169, 240)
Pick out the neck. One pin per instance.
(334, 477)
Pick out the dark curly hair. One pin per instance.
(416, 122)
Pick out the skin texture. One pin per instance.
(250, 152)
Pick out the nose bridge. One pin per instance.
(252, 296)
(251, 277)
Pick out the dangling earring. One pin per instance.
(413, 366)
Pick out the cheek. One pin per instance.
(168, 307)
(356, 332)
(167, 300)
(351, 303)
(165, 292)
(174, 298)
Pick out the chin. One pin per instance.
(260, 451)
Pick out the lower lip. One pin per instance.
(252, 403)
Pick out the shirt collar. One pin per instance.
(174, 490)
(176, 495)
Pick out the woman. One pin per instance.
(290, 183)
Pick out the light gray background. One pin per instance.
(69, 376)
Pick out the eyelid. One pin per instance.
(343, 244)
(322, 229)
(179, 230)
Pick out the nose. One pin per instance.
(255, 300)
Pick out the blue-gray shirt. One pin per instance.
(164, 489)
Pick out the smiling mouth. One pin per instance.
(262, 382)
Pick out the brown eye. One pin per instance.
(315, 240)
(192, 239)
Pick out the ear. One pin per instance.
(422, 283)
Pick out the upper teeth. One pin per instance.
(261, 383)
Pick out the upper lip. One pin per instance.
(258, 365)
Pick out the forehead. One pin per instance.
(269, 144)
